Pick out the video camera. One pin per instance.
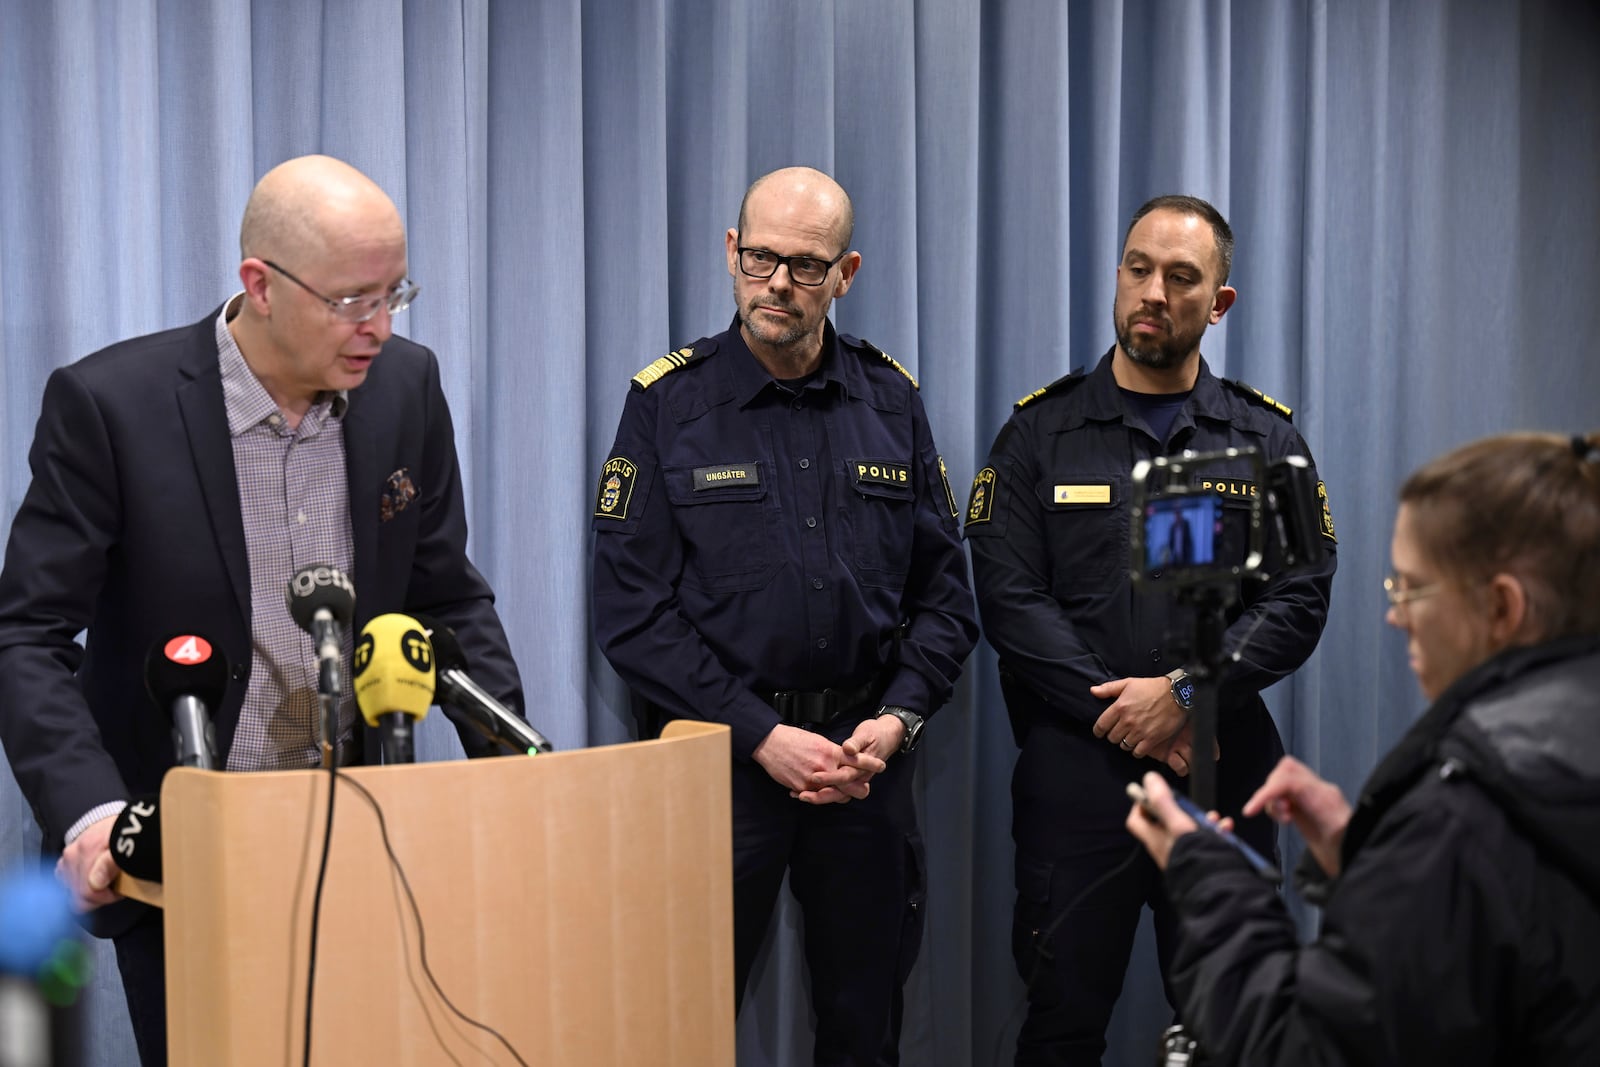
(1181, 504)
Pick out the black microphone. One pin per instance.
(322, 602)
(465, 701)
(136, 839)
(187, 677)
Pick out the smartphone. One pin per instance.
(1259, 863)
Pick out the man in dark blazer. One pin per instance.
(179, 481)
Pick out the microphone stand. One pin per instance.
(1210, 603)
(328, 693)
(397, 739)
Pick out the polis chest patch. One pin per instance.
(616, 488)
(879, 472)
(1234, 489)
(725, 475)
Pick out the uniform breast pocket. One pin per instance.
(725, 524)
(880, 514)
(1086, 526)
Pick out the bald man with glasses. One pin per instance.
(776, 548)
(179, 481)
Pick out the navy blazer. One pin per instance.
(131, 529)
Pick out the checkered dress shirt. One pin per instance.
(295, 500)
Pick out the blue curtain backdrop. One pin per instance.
(1413, 187)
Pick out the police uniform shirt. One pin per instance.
(752, 536)
(1048, 522)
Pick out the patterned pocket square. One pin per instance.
(398, 492)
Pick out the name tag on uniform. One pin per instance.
(721, 477)
(880, 472)
(1083, 494)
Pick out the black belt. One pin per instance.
(807, 708)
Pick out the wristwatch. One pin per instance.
(1182, 688)
(912, 721)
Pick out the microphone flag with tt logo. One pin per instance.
(394, 677)
(187, 677)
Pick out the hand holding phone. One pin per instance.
(1259, 863)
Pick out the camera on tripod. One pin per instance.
(1212, 518)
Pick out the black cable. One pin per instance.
(416, 913)
(416, 986)
(316, 911)
(1040, 952)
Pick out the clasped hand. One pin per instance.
(817, 771)
(1145, 721)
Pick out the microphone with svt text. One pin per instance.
(136, 839)
(186, 677)
(465, 701)
(394, 681)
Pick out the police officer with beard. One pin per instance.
(777, 549)
(1093, 681)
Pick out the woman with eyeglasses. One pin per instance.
(1462, 892)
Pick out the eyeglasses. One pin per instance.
(803, 270)
(1399, 597)
(360, 308)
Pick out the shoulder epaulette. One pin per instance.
(670, 362)
(1256, 396)
(856, 342)
(1061, 384)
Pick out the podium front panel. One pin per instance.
(580, 903)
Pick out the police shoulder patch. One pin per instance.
(874, 350)
(1256, 396)
(1327, 513)
(616, 488)
(1060, 385)
(672, 361)
(980, 502)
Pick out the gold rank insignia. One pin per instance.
(1255, 395)
(669, 363)
(980, 505)
(886, 357)
(1327, 513)
(616, 488)
(949, 496)
(1065, 382)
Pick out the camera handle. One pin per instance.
(1210, 603)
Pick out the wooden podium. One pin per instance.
(580, 903)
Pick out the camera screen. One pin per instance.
(1181, 531)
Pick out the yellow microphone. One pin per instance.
(394, 675)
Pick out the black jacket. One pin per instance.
(1465, 927)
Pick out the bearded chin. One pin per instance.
(781, 338)
(1152, 355)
